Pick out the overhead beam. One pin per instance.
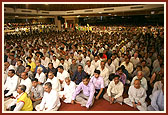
(82, 12)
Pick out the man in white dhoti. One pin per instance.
(137, 96)
(50, 101)
(69, 88)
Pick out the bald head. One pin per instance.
(140, 75)
(136, 55)
(137, 83)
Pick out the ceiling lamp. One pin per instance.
(152, 12)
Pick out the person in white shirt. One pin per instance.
(55, 61)
(89, 69)
(50, 101)
(69, 89)
(136, 96)
(85, 58)
(157, 86)
(143, 80)
(128, 65)
(115, 61)
(96, 62)
(65, 65)
(61, 75)
(114, 91)
(8, 67)
(45, 61)
(110, 66)
(26, 81)
(104, 72)
(54, 81)
(45, 53)
(68, 61)
(90, 55)
(40, 75)
(135, 60)
(80, 54)
(80, 61)
(11, 84)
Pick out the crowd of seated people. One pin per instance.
(42, 71)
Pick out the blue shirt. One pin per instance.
(44, 69)
(77, 77)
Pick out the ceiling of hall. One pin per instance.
(62, 7)
(50, 10)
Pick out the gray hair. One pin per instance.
(23, 87)
(67, 78)
(140, 72)
(40, 68)
(48, 84)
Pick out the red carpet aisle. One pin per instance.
(99, 105)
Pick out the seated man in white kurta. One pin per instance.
(26, 81)
(40, 76)
(69, 88)
(61, 75)
(142, 79)
(104, 72)
(54, 81)
(114, 91)
(89, 69)
(137, 96)
(50, 101)
(11, 83)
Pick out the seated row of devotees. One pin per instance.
(40, 94)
